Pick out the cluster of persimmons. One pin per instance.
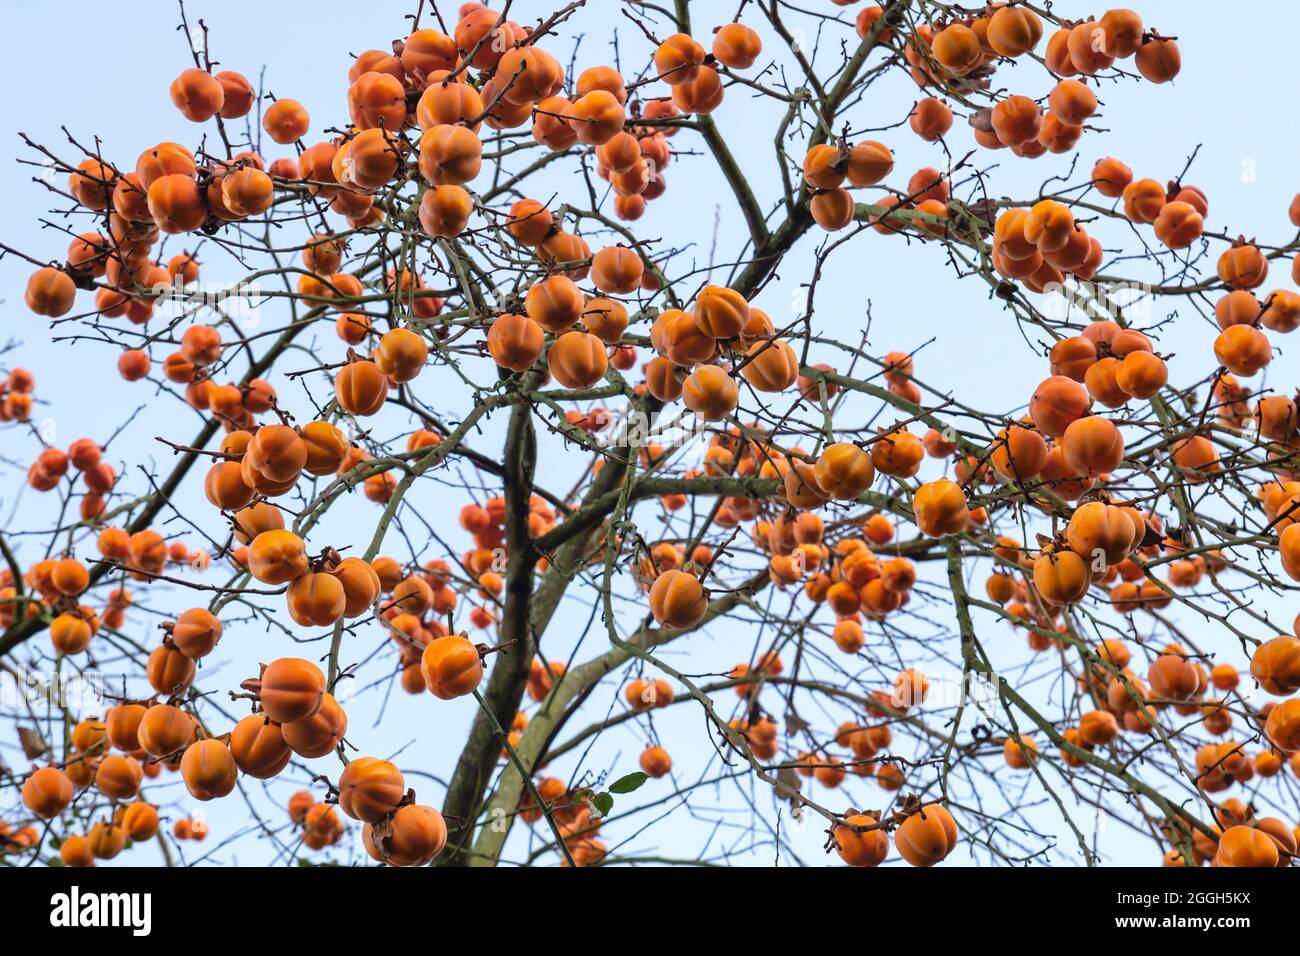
(437, 257)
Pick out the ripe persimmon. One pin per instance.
(927, 836)
(258, 746)
(361, 388)
(452, 667)
(370, 789)
(286, 121)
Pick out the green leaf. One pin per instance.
(629, 783)
(603, 802)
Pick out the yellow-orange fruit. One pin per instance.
(259, 747)
(291, 689)
(678, 600)
(844, 471)
(1093, 446)
(47, 792)
(370, 789)
(361, 388)
(164, 729)
(1057, 403)
(1283, 727)
(515, 342)
(927, 836)
(209, 770)
(1243, 846)
(710, 393)
(451, 666)
(577, 360)
(721, 312)
(319, 733)
(415, 835)
(940, 508)
(1019, 453)
(1061, 577)
(861, 847)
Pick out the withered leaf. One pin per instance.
(794, 724)
(1152, 535)
(982, 119)
(787, 786)
(33, 745)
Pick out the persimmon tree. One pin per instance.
(478, 395)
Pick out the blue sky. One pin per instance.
(115, 66)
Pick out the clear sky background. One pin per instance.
(103, 71)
